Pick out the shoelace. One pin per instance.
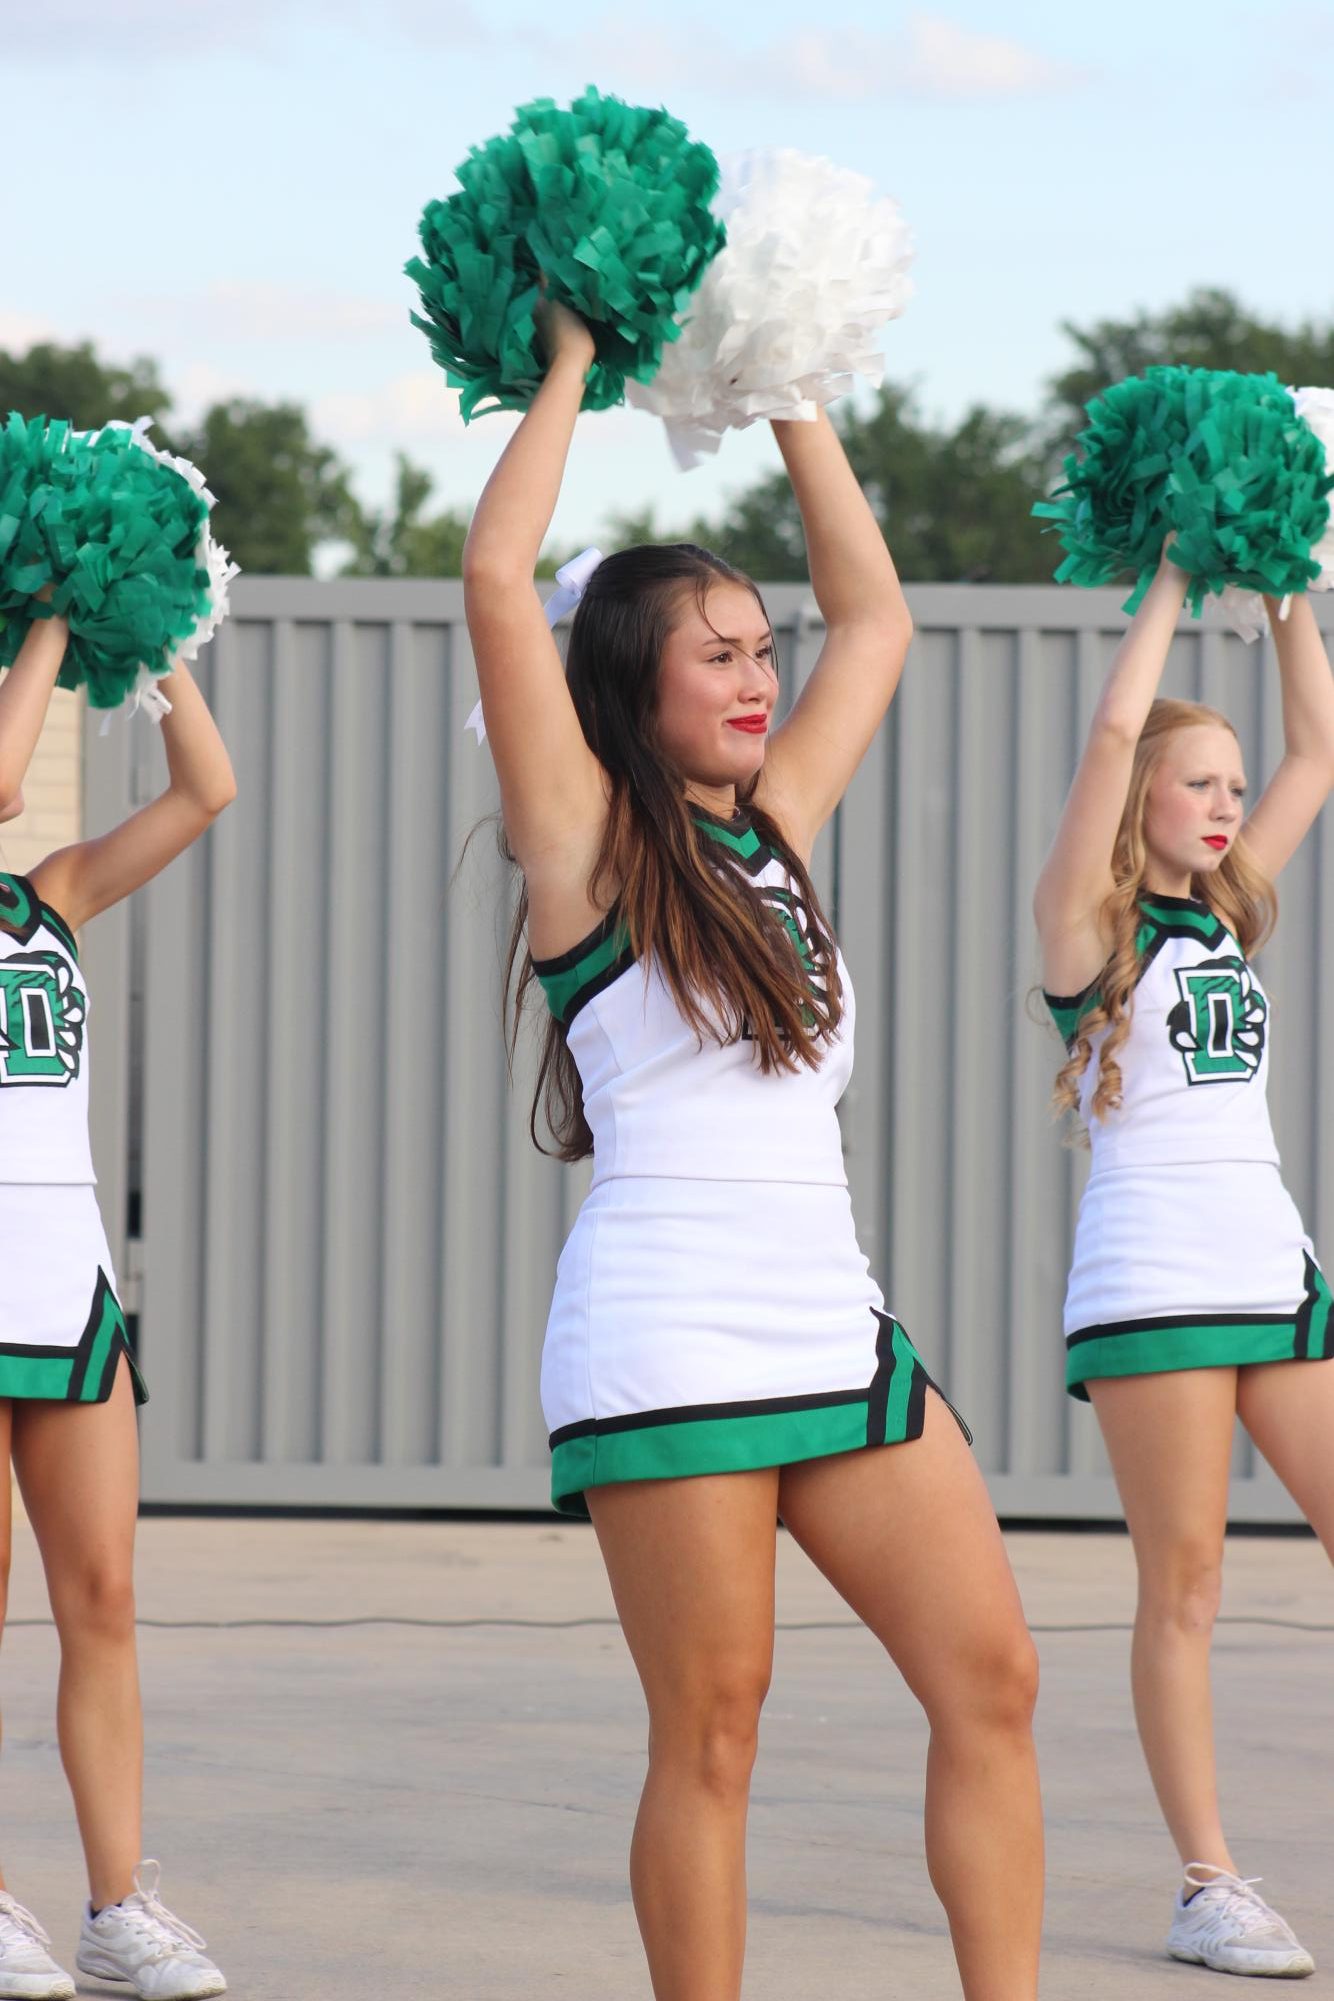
(1238, 1905)
(146, 1913)
(17, 1918)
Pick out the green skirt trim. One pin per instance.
(83, 1373)
(695, 1439)
(1193, 1341)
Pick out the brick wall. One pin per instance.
(51, 817)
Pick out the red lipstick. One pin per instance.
(1216, 841)
(753, 725)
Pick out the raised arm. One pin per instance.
(25, 696)
(813, 755)
(81, 880)
(551, 786)
(1076, 878)
(1299, 788)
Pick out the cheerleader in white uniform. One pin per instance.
(1194, 1296)
(718, 1354)
(68, 1385)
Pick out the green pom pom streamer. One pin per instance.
(1221, 458)
(609, 204)
(117, 533)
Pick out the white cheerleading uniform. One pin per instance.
(1189, 1251)
(713, 1312)
(62, 1331)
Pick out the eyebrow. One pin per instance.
(727, 639)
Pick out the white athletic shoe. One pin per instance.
(1228, 1927)
(140, 1941)
(27, 1970)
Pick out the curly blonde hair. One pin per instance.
(1238, 892)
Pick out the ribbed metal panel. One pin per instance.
(316, 1156)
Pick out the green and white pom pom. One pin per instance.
(1244, 611)
(1223, 459)
(210, 556)
(118, 532)
(608, 204)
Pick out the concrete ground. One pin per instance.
(440, 1804)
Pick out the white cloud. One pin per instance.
(254, 309)
(199, 384)
(24, 330)
(946, 61)
(136, 30)
(417, 408)
(932, 60)
(418, 411)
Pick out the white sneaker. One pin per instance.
(140, 1941)
(1227, 1926)
(27, 1970)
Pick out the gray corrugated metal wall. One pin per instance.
(319, 1183)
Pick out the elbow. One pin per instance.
(488, 566)
(214, 798)
(1118, 726)
(890, 623)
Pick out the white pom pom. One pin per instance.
(221, 569)
(1245, 610)
(788, 312)
(1317, 407)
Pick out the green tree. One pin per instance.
(1209, 329)
(71, 382)
(953, 501)
(635, 525)
(279, 493)
(400, 541)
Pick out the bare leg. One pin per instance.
(908, 1537)
(1169, 1438)
(1288, 1409)
(78, 1467)
(691, 1564)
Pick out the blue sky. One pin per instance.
(233, 188)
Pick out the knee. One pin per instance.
(1015, 1683)
(712, 1732)
(993, 1686)
(1184, 1592)
(95, 1604)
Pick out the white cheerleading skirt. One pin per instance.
(62, 1331)
(717, 1326)
(1196, 1265)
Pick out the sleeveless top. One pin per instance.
(43, 1050)
(661, 1101)
(1195, 1064)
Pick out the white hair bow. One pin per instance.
(571, 583)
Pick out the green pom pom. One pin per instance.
(609, 203)
(1223, 459)
(117, 532)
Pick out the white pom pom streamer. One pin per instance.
(788, 313)
(1245, 610)
(210, 555)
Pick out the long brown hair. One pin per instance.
(1238, 892)
(685, 902)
